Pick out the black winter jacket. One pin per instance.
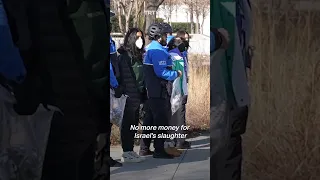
(128, 80)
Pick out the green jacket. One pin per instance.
(223, 15)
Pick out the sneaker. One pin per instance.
(173, 151)
(131, 156)
(162, 155)
(113, 163)
(184, 145)
(145, 153)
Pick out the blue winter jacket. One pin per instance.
(156, 69)
(212, 42)
(113, 79)
(158, 57)
(11, 63)
(113, 51)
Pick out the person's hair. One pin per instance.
(129, 43)
(173, 43)
(181, 34)
(188, 35)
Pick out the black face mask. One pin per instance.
(186, 43)
(181, 47)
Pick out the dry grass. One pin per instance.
(198, 107)
(283, 135)
(198, 113)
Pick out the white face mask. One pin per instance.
(139, 43)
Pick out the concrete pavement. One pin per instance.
(193, 164)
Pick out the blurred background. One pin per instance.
(282, 139)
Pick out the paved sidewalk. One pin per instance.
(193, 164)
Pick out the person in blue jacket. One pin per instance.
(11, 64)
(113, 79)
(113, 57)
(179, 118)
(156, 76)
(114, 74)
(169, 31)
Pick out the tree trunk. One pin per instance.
(191, 19)
(140, 18)
(120, 18)
(170, 11)
(151, 7)
(198, 23)
(204, 15)
(176, 9)
(127, 9)
(136, 15)
(202, 23)
(149, 20)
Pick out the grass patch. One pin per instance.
(283, 140)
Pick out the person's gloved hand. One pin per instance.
(144, 95)
(118, 91)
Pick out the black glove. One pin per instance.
(144, 96)
(118, 91)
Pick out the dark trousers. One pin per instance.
(108, 142)
(102, 149)
(226, 161)
(67, 159)
(130, 117)
(156, 115)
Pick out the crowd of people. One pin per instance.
(145, 73)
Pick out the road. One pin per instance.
(193, 164)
